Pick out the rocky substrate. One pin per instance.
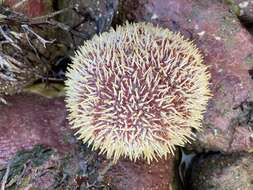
(224, 147)
(223, 172)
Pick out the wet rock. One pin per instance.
(222, 172)
(30, 119)
(158, 175)
(44, 168)
(88, 17)
(250, 28)
(228, 50)
(243, 8)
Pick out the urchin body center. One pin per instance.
(134, 97)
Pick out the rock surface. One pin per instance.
(159, 175)
(31, 8)
(29, 119)
(88, 17)
(228, 50)
(223, 172)
(243, 8)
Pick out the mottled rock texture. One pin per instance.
(222, 172)
(242, 8)
(28, 120)
(31, 8)
(158, 175)
(88, 17)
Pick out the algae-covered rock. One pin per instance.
(242, 8)
(45, 168)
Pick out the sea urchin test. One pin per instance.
(137, 92)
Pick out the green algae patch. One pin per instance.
(14, 174)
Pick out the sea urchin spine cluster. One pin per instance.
(137, 91)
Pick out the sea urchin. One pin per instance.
(137, 91)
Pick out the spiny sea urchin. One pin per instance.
(137, 91)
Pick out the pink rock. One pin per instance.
(30, 119)
(228, 50)
(31, 8)
(136, 176)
